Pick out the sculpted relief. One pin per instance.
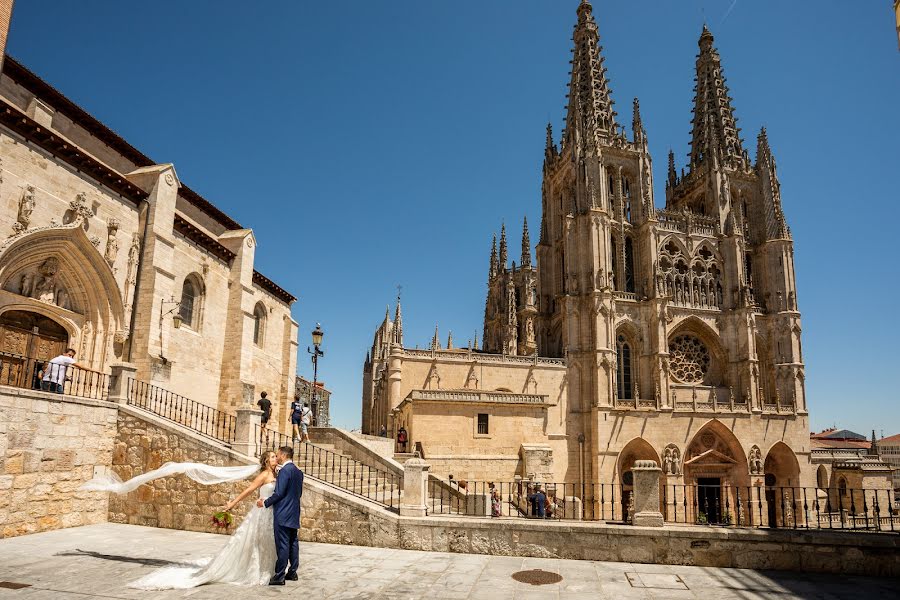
(42, 284)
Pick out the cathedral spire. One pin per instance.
(493, 268)
(503, 257)
(450, 340)
(714, 134)
(590, 117)
(776, 224)
(435, 340)
(672, 177)
(637, 126)
(550, 151)
(526, 245)
(398, 324)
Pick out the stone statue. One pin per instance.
(45, 288)
(27, 284)
(676, 461)
(26, 207)
(756, 466)
(667, 461)
(112, 244)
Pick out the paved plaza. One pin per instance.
(99, 560)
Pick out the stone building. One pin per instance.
(100, 247)
(319, 404)
(668, 334)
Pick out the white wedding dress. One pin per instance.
(247, 559)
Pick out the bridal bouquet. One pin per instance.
(222, 520)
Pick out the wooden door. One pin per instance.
(27, 340)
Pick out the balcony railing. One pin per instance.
(40, 374)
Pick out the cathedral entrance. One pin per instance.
(709, 498)
(27, 340)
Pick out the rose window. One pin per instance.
(689, 359)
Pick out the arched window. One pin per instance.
(259, 324)
(625, 388)
(614, 259)
(191, 301)
(842, 486)
(629, 265)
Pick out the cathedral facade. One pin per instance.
(638, 333)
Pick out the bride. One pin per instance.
(249, 556)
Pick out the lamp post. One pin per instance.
(177, 320)
(316, 352)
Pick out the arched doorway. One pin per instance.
(27, 340)
(716, 468)
(635, 450)
(782, 476)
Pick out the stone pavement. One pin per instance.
(97, 561)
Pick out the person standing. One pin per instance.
(402, 438)
(305, 421)
(285, 501)
(265, 405)
(54, 378)
(538, 502)
(296, 418)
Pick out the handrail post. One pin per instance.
(246, 430)
(415, 480)
(120, 378)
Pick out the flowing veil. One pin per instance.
(203, 474)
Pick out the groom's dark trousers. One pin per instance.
(285, 503)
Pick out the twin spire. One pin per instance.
(715, 135)
(499, 262)
(590, 117)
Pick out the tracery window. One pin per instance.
(689, 358)
(629, 265)
(188, 296)
(624, 387)
(259, 324)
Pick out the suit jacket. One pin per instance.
(285, 500)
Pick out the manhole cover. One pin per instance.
(9, 585)
(660, 581)
(537, 577)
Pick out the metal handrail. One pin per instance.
(201, 418)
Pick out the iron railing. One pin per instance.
(203, 419)
(39, 374)
(523, 499)
(350, 475)
(781, 507)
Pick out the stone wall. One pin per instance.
(50, 445)
(144, 443)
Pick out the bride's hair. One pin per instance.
(264, 460)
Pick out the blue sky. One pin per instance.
(370, 144)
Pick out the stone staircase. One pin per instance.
(334, 465)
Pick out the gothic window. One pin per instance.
(625, 387)
(614, 257)
(259, 324)
(689, 358)
(191, 297)
(842, 486)
(629, 265)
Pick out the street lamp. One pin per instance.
(316, 352)
(177, 320)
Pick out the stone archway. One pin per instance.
(635, 450)
(57, 272)
(783, 496)
(717, 475)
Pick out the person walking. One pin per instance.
(305, 421)
(296, 412)
(265, 405)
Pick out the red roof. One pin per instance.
(890, 440)
(852, 444)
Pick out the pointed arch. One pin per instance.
(57, 271)
(782, 463)
(715, 451)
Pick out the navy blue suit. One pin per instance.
(285, 502)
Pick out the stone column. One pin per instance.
(120, 378)
(246, 430)
(646, 493)
(415, 492)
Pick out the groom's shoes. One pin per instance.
(291, 577)
(276, 582)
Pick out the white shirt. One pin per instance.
(55, 370)
(305, 414)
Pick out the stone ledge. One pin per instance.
(17, 392)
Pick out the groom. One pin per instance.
(286, 502)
